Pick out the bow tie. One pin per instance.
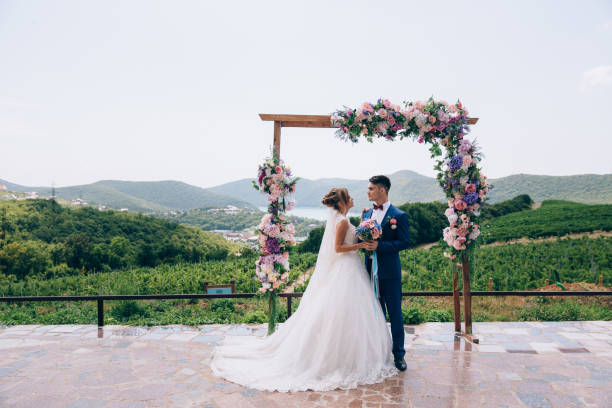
(378, 207)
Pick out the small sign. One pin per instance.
(218, 291)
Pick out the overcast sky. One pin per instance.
(170, 90)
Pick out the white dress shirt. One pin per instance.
(379, 215)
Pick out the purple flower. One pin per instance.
(273, 246)
(456, 162)
(470, 198)
(261, 176)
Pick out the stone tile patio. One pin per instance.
(516, 364)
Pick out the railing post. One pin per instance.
(456, 303)
(100, 312)
(490, 284)
(600, 280)
(289, 298)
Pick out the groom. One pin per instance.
(395, 237)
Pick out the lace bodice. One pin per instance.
(351, 234)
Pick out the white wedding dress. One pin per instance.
(337, 338)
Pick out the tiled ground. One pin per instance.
(565, 364)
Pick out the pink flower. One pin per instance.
(432, 119)
(382, 113)
(467, 160)
(464, 146)
(278, 169)
(387, 104)
(421, 139)
(470, 188)
(367, 107)
(392, 221)
(460, 205)
(419, 105)
(462, 231)
(449, 212)
(452, 109)
(465, 219)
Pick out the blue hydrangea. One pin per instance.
(470, 198)
(455, 163)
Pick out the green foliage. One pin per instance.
(313, 242)
(41, 237)
(219, 304)
(554, 218)
(126, 309)
(565, 310)
(413, 315)
(426, 221)
(516, 204)
(513, 266)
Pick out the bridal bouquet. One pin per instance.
(369, 230)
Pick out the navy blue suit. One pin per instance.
(392, 241)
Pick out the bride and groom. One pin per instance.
(338, 337)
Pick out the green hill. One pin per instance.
(144, 196)
(40, 237)
(583, 188)
(408, 187)
(553, 218)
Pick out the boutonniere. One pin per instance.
(393, 222)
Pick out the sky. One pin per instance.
(171, 90)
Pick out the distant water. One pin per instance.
(318, 213)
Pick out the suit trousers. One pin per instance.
(390, 298)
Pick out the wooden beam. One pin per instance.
(326, 124)
(295, 118)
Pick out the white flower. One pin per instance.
(474, 234)
(452, 218)
(420, 120)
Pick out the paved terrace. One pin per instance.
(533, 364)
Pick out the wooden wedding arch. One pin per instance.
(324, 121)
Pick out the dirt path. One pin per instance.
(592, 234)
(299, 281)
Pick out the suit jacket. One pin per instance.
(392, 241)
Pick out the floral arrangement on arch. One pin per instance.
(275, 232)
(439, 124)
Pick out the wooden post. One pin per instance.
(467, 294)
(546, 282)
(277, 139)
(456, 304)
(490, 284)
(600, 280)
(233, 283)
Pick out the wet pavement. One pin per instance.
(516, 364)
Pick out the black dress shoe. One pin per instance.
(400, 364)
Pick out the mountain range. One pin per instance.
(406, 186)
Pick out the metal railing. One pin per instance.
(289, 296)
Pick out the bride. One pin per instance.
(337, 338)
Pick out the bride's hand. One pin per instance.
(370, 245)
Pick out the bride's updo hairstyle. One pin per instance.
(334, 197)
